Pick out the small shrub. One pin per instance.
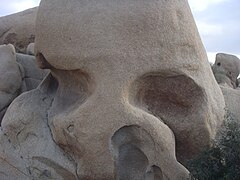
(222, 160)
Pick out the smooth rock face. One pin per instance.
(18, 29)
(10, 79)
(132, 79)
(226, 69)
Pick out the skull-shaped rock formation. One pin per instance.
(129, 79)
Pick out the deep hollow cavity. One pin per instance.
(176, 100)
(131, 147)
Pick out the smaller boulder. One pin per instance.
(30, 49)
(10, 78)
(19, 73)
(18, 29)
(33, 75)
(226, 69)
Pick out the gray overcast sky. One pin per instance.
(218, 22)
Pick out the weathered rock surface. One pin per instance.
(29, 151)
(132, 87)
(18, 29)
(226, 69)
(10, 78)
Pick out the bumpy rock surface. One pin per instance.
(131, 78)
(18, 29)
(226, 69)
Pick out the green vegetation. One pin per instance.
(222, 161)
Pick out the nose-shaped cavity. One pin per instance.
(131, 146)
(177, 100)
(154, 173)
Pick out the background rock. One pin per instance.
(232, 100)
(10, 78)
(32, 75)
(19, 73)
(18, 29)
(30, 49)
(226, 69)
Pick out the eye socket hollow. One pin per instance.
(175, 99)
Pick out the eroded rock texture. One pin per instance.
(129, 89)
(27, 150)
(18, 29)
